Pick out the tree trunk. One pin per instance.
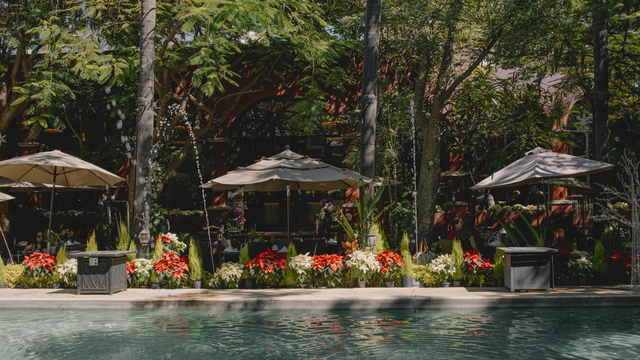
(600, 92)
(144, 131)
(369, 104)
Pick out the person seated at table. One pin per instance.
(38, 245)
(454, 227)
(515, 198)
(468, 231)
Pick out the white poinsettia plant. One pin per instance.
(142, 270)
(444, 266)
(301, 265)
(68, 272)
(171, 243)
(227, 277)
(363, 264)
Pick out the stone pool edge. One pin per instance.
(320, 299)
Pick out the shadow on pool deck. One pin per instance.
(321, 299)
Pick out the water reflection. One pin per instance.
(525, 334)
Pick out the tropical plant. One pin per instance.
(267, 267)
(328, 269)
(367, 215)
(92, 245)
(539, 235)
(195, 261)
(458, 257)
(362, 264)
(227, 276)
(171, 269)
(391, 265)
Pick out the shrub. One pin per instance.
(444, 266)
(61, 256)
(158, 250)
(92, 245)
(409, 267)
(244, 255)
(600, 267)
(227, 276)
(172, 243)
(427, 277)
(13, 273)
(195, 261)
(458, 258)
(3, 275)
(124, 241)
(498, 265)
(382, 244)
(139, 272)
(290, 278)
(67, 272)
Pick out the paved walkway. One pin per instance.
(320, 299)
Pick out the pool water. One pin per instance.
(611, 333)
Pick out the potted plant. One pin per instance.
(228, 276)
(476, 268)
(391, 266)
(302, 267)
(171, 243)
(445, 267)
(267, 267)
(195, 264)
(171, 269)
(290, 278)
(363, 265)
(458, 258)
(409, 270)
(328, 269)
(67, 273)
(139, 272)
(38, 268)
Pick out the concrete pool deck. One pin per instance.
(321, 299)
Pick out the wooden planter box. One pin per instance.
(101, 272)
(528, 268)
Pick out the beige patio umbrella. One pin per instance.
(56, 168)
(540, 164)
(288, 171)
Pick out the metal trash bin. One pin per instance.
(101, 272)
(528, 268)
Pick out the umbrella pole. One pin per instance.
(7, 245)
(53, 192)
(289, 212)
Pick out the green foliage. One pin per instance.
(13, 273)
(92, 245)
(382, 244)
(498, 261)
(123, 236)
(195, 261)
(428, 278)
(409, 267)
(366, 211)
(300, 233)
(600, 266)
(538, 235)
(458, 258)
(157, 251)
(61, 256)
(290, 277)
(244, 255)
(254, 235)
(3, 274)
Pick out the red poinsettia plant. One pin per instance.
(39, 265)
(475, 264)
(131, 269)
(171, 268)
(619, 257)
(391, 265)
(267, 267)
(328, 268)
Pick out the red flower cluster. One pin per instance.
(40, 262)
(130, 268)
(171, 264)
(165, 239)
(474, 262)
(562, 250)
(617, 255)
(267, 261)
(332, 261)
(389, 261)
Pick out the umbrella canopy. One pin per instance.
(10, 186)
(540, 164)
(299, 171)
(5, 197)
(287, 171)
(56, 168)
(576, 186)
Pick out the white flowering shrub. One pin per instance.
(363, 264)
(301, 265)
(142, 270)
(444, 266)
(68, 272)
(227, 277)
(171, 243)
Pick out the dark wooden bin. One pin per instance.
(528, 268)
(101, 272)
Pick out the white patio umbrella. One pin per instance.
(288, 171)
(539, 164)
(56, 168)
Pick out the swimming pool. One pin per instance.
(435, 334)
